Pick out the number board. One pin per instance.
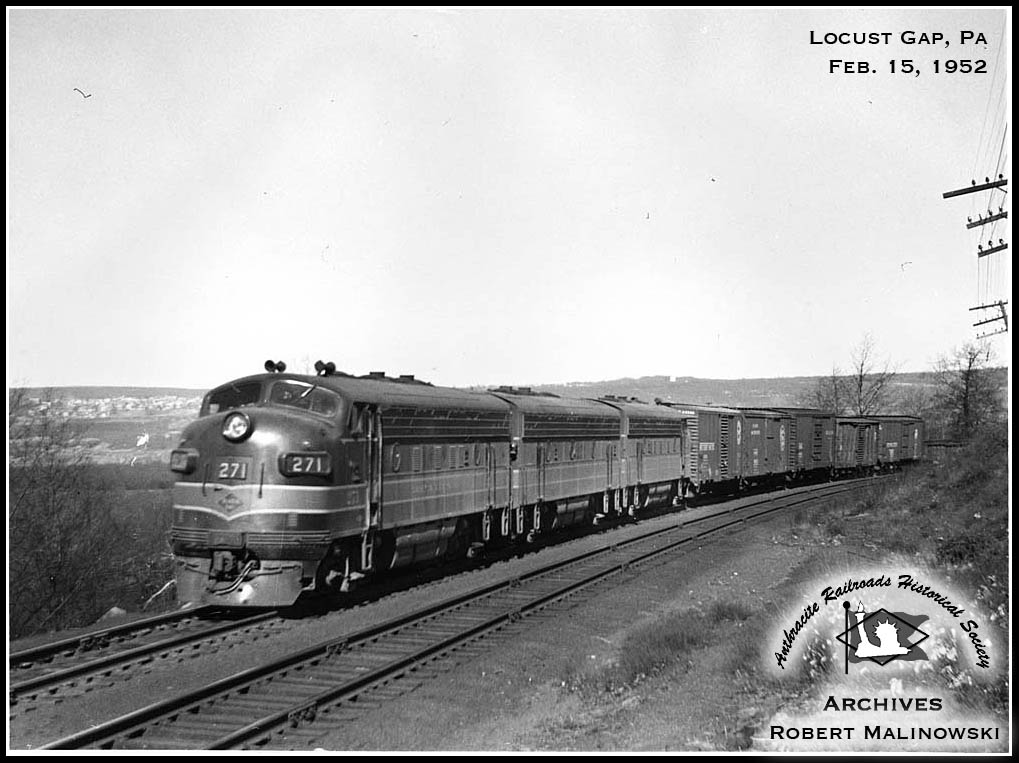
(297, 464)
(233, 469)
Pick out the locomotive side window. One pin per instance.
(232, 396)
(307, 397)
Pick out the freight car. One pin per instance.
(288, 483)
(811, 443)
(900, 440)
(856, 448)
(766, 446)
(715, 436)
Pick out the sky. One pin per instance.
(495, 196)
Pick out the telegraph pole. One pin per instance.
(992, 248)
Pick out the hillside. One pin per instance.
(783, 391)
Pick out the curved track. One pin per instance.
(339, 677)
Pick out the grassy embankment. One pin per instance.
(950, 513)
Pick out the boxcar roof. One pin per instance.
(755, 411)
(697, 407)
(803, 411)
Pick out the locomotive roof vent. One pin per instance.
(377, 375)
(276, 367)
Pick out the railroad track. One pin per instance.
(76, 665)
(339, 678)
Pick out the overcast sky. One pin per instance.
(480, 196)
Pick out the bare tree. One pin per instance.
(870, 380)
(915, 400)
(967, 393)
(61, 528)
(830, 393)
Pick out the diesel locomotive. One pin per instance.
(289, 483)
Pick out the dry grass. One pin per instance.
(657, 645)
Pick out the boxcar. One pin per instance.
(856, 444)
(715, 441)
(766, 445)
(811, 442)
(899, 440)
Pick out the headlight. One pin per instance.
(236, 426)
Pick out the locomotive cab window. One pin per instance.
(232, 396)
(307, 397)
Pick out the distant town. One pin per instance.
(102, 425)
(100, 408)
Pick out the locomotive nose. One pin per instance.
(251, 505)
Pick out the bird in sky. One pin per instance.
(83, 94)
(903, 265)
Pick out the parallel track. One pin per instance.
(339, 677)
(49, 670)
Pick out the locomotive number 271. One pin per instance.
(232, 470)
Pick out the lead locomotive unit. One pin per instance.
(288, 483)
